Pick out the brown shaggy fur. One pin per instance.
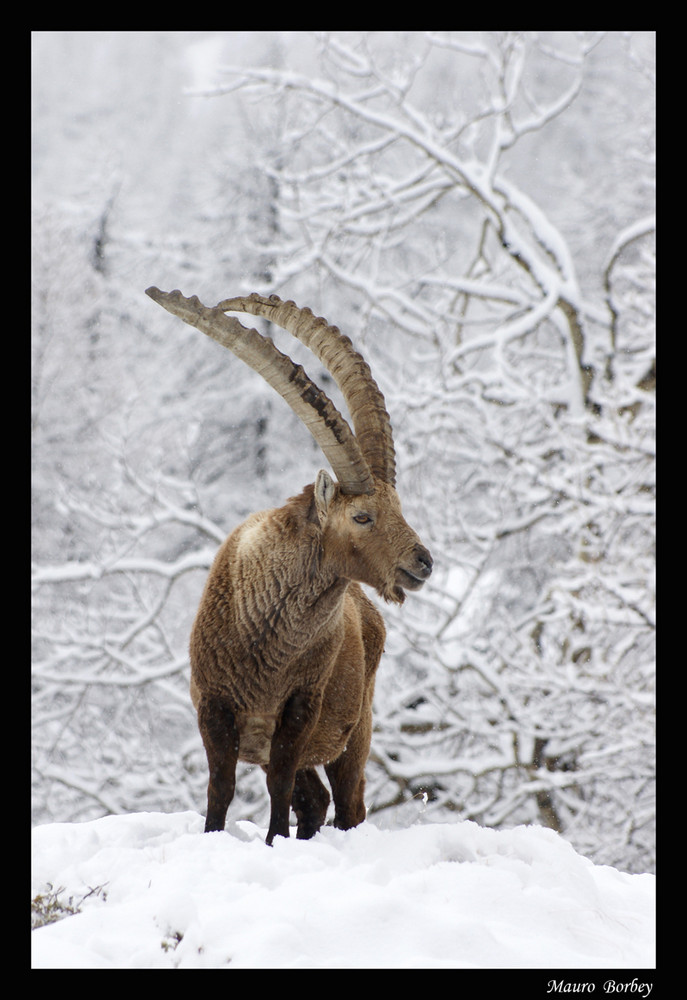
(285, 647)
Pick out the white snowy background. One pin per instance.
(476, 210)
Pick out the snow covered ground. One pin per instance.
(160, 896)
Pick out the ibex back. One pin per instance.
(285, 645)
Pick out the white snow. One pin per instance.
(162, 895)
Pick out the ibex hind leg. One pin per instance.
(310, 801)
(220, 734)
(347, 777)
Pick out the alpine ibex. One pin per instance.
(285, 644)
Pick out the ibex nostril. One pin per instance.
(424, 561)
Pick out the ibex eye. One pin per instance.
(362, 519)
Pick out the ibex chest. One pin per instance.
(256, 732)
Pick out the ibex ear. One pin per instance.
(325, 488)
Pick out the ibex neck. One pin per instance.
(293, 594)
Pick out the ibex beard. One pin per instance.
(285, 645)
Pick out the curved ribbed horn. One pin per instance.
(349, 370)
(314, 408)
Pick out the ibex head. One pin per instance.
(363, 530)
(368, 540)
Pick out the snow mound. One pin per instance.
(160, 895)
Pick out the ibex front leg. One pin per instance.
(290, 737)
(217, 725)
